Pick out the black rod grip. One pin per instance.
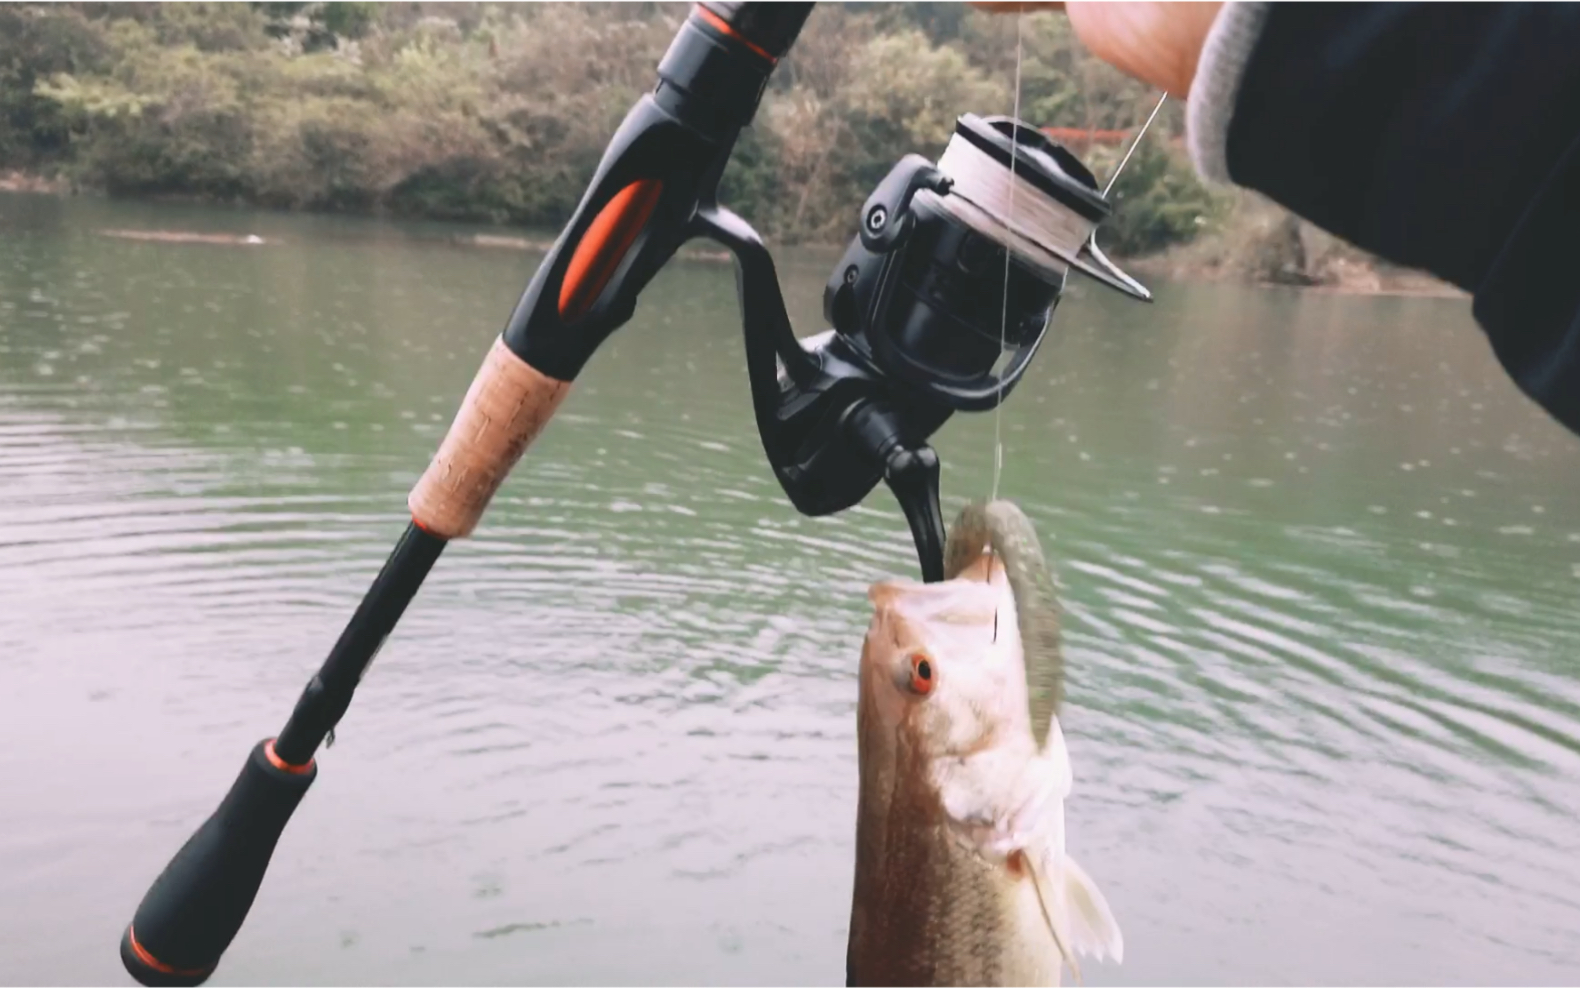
(198, 903)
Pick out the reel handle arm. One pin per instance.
(912, 475)
(911, 471)
(767, 326)
(797, 403)
(827, 434)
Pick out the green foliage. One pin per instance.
(316, 26)
(36, 42)
(1158, 201)
(500, 112)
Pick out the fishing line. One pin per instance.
(1003, 319)
(1003, 322)
(1134, 144)
(985, 196)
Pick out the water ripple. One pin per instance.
(1315, 697)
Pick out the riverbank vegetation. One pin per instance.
(498, 113)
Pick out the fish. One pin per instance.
(961, 872)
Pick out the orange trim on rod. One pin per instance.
(603, 246)
(155, 963)
(282, 764)
(724, 26)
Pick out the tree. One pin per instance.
(317, 26)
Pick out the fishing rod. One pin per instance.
(925, 322)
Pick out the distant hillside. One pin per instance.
(498, 112)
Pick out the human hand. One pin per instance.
(1158, 43)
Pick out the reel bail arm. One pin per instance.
(911, 471)
(830, 428)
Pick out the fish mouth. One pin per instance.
(980, 584)
(960, 616)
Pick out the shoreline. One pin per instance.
(1360, 279)
(15, 180)
(484, 240)
(1355, 277)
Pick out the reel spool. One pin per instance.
(926, 319)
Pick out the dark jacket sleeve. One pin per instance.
(1445, 137)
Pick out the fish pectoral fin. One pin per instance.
(1055, 915)
(1093, 929)
(1076, 912)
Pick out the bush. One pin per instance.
(1158, 201)
(37, 42)
(500, 113)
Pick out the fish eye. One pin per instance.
(923, 676)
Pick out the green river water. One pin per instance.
(1320, 562)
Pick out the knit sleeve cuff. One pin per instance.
(1213, 92)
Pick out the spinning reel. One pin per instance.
(929, 317)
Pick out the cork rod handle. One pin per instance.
(505, 409)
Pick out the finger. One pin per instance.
(1158, 43)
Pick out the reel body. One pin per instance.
(938, 305)
(938, 309)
